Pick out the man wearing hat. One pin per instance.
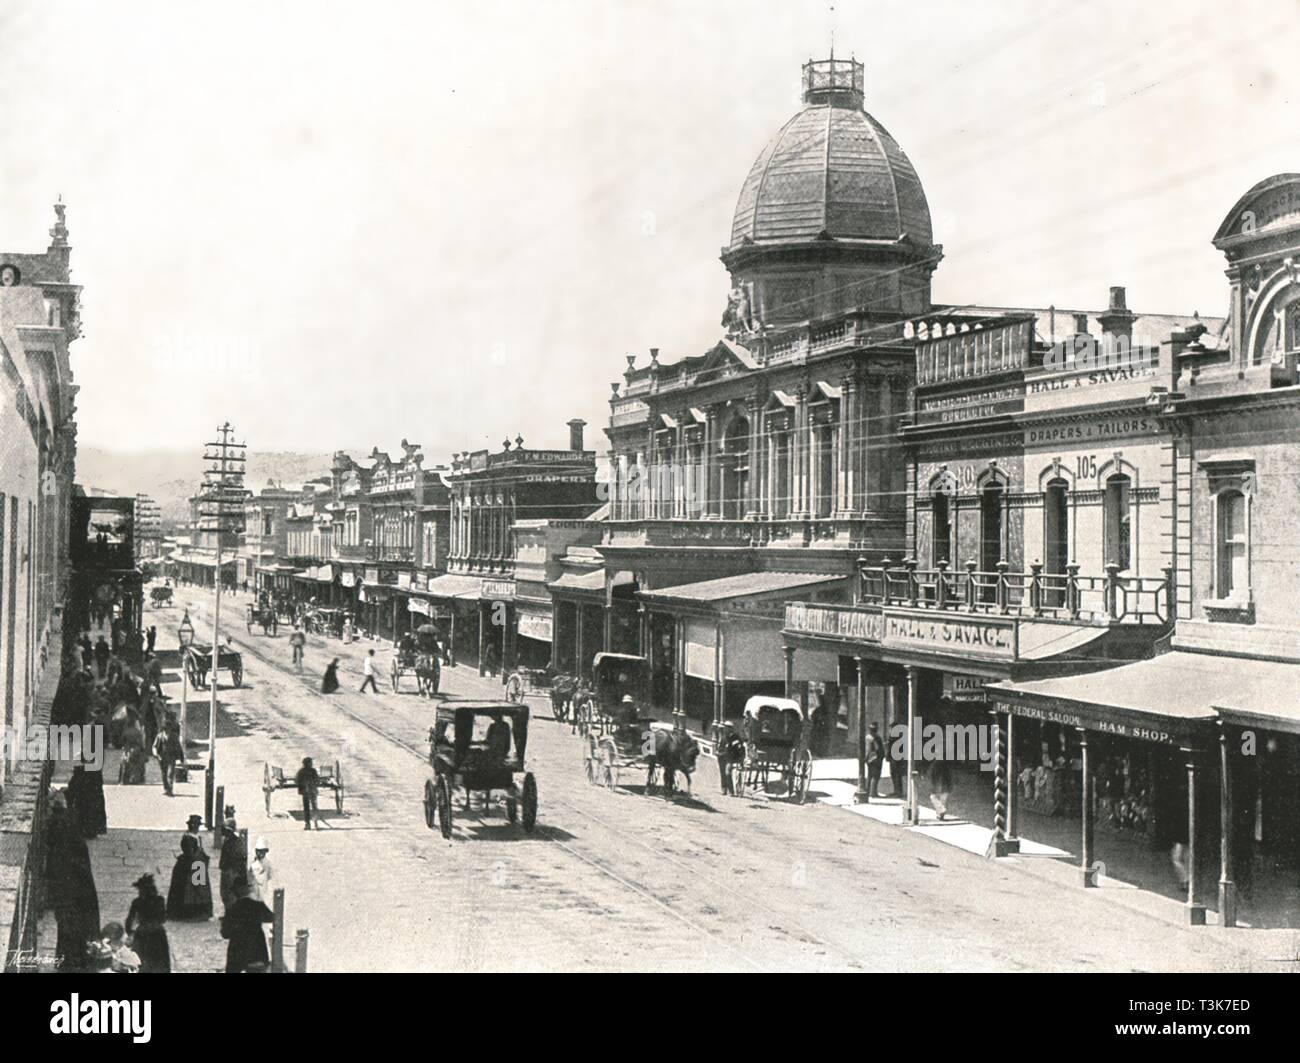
(261, 877)
(308, 782)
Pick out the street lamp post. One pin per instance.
(185, 633)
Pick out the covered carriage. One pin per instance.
(480, 747)
(264, 616)
(775, 732)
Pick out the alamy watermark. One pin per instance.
(76, 744)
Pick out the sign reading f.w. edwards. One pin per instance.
(987, 638)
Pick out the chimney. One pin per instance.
(1081, 324)
(575, 433)
(1117, 321)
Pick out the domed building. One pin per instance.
(832, 216)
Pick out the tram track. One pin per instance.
(598, 865)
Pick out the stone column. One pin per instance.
(844, 471)
(754, 481)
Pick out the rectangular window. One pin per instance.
(1118, 521)
(1233, 578)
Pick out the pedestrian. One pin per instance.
(875, 760)
(102, 654)
(261, 874)
(72, 888)
(151, 639)
(87, 651)
(731, 755)
(940, 787)
(144, 926)
(368, 670)
(233, 863)
(297, 641)
(153, 673)
(242, 927)
(112, 953)
(308, 781)
(131, 770)
(347, 629)
(330, 680)
(167, 748)
(86, 801)
(190, 894)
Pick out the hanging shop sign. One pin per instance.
(963, 687)
(535, 624)
(372, 575)
(348, 579)
(419, 605)
(498, 589)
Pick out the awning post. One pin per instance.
(1195, 912)
(864, 794)
(913, 805)
(1088, 868)
(1227, 888)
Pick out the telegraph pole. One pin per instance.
(220, 506)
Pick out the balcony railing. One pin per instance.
(1107, 599)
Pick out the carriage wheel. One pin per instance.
(267, 788)
(430, 805)
(444, 805)
(515, 689)
(338, 788)
(802, 776)
(530, 803)
(237, 672)
(590, 764)
(609, 773)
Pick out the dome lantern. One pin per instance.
(839, 82)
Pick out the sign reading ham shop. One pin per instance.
(951, 635)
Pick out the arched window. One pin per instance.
(1056, 538)
(1117, 521)
(942, 532)
(1231, 575)
(735, 469)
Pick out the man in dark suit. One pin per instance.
(875, 760)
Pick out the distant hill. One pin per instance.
(169, 477)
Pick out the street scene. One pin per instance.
(558, 499)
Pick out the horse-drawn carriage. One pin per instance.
(160, 597)
(198, 661)
(480, 747)
(329, 777)
(564, 690)
(418, 656)
(324, 621)
(263, 615)
(775, 732)
(619, 735)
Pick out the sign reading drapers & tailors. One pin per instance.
(984, 637)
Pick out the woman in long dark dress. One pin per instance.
(190, 894)
(72, 888)
(330, 681)
(86, 801)
(144, 924)
(242, 926)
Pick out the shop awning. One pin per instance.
(1169, 698)
(533, 621)
(1264, 694)
(590, 582)
(748, 585)
(453, 586)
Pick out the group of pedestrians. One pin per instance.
(330, 677)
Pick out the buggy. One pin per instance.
(480, 746)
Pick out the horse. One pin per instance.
(427, 674)
(674, 751)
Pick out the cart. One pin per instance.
(559, 686)
(480, 747)
(420, 663)
(615, 730)
(264, 616)
(775, 733)
(198, 661)
(159, 597)
(274, 778)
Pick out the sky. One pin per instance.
(341, 225)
